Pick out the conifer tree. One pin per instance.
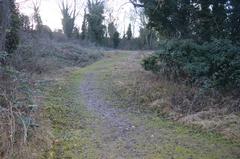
(95, 18)
(129, 32)
(12, 36)
(84, 26)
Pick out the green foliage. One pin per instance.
(69, 17)
(111, 29)
(234, 26)
(199, 59)
(3, 56)
(151, 63)
(12, 37)
(95, 18)
(129, 32)
(200, 20)
(76, 33)
(147, 38)
(24, 22)
(116, 39)
(68, 25)
(84, 27)
(215, 64)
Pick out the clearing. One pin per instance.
(87, 124)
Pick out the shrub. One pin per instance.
(17, 111)
(215, 64)
(3, 56)
(116, 39)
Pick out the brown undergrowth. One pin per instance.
(207, 110)
(20, 116)
(35, 66)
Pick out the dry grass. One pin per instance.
(43, 55)
(19, 125)
(211, 111)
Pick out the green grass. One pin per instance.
(70, 120)
(71, 125)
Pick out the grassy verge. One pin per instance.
(70, 121)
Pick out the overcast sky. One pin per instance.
(122, 12)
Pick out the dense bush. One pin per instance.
(214, 64)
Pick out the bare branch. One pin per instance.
(136, 4)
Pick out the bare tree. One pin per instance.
(36, 15)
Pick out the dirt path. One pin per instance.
(115, 126)
(91, 127)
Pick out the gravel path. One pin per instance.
(115, 127)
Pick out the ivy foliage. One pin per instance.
(215, 64)
(95, 19)
(12, 36)
(206, 50)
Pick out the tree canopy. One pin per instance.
(95, 18)
(197, 19)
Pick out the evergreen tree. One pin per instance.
(183, 18)
(116, 39)
(219, 19)
(69, 16)
(25, 22)
(111, 29)
(129, 32)
(84, 26)
(204, 21)
(4, 22)
(200, 20)
(12, 36)
(235, 20)
(95, 18)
